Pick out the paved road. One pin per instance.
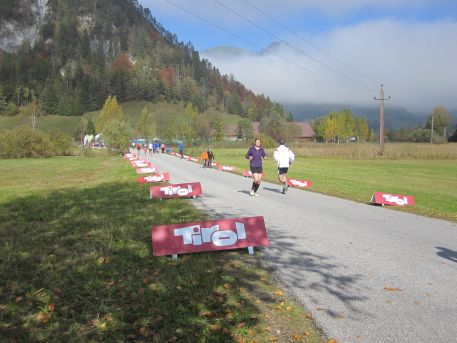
(367, 273)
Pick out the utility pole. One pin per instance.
(431, 132)
(381, 121)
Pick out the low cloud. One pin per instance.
(414, 61)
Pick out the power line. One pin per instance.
(290, 45)
(308, 42)
(260, 47)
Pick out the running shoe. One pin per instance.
(251, 193)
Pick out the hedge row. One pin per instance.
(24, 142)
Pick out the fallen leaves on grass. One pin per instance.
(279, 293)
(43, 317)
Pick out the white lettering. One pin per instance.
(170, 190)
(395, 199)
(224, 238)
(197, 236)
(187, 232)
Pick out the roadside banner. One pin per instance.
(181, 190)
(392, 199)
(210, 235)
(192, 159)
(299, 183)
(147, 170)
(225, 168)
(129, 155)
(248, 173)
(141, 164)
(161, 177)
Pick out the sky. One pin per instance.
(326, 51)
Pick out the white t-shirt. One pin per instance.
(283, 156)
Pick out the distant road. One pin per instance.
(367, 273)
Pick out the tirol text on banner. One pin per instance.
(210, 235)
(299, 183)
(181, 190)
(226, 168)
(162, 177)
(392, 199)
(147, 170)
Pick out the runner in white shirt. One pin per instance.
(283, 157)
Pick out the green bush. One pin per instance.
(24, 142)
(61, 143)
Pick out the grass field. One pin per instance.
(433, 183)
(67, 125)
(76, 265)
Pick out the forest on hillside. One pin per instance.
(89, 50)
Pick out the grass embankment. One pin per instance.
(76, 265)
(433, 183)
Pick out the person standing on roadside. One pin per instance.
(255, 155)
(283, 157)
(210, 158)
(138, 148)
(181, 149)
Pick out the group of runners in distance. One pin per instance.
(283, 157)
(256, 154)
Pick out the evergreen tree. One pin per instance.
(85, 45)
(91, 127)
(3, 102)
(218, 128)
(49, 99)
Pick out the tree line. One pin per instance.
(120, 51)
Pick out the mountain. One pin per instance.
(71, 55)
(394, 117)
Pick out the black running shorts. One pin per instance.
(256, 170)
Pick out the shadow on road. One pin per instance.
(275, 190)
(451, 255)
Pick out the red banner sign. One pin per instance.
(299, 183)
(193, 159)
(162, 177)
(392, 199)
(147, 170)
(209, 235)
(181, 190)
(141, 164)
(128, 156)
(226, 168)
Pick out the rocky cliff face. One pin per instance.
(24, 26)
